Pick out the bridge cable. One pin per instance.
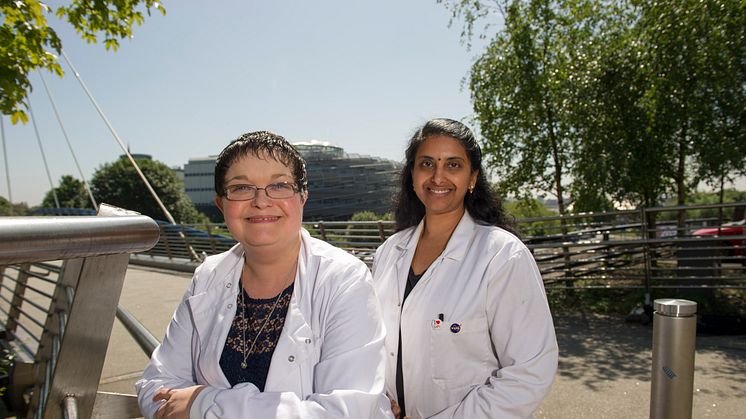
(7, 170)
(69, 145)
(168, 215)
(43, 156)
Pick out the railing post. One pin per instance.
(648, 264)
(88, 327)
(167, 241)
(322, 231)
(212, 239)
(569, 277)
(674, 335)
(190, 250)
(18, 295)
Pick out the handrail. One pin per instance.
(79, 310)
(37, 239)
(142, 335)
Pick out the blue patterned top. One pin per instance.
(250, 316)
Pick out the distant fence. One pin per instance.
(664, 247)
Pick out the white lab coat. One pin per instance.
(494, 355)
(329, 360)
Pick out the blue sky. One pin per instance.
(362, 75)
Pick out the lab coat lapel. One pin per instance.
(292, 347)
(291, 351)
(212, 312)
(406, 248)
(455, 249)
(461, 238)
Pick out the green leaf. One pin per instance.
(18, 116)
(26, 40)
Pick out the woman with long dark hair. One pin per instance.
(469, 331)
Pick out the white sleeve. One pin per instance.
(523, 336)
(170, 365)
(348, 379)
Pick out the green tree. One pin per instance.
(366, 233)
(525, 210)
(371, 216)
(27, 43)
(663, 109)
(632, 99)
(520, 90)
(528, 208)
(694, 53)
(720, 197)
(118, 184)
(15, 210)
(615, 156)
(721, 142)
(525, 86)
(71, 193)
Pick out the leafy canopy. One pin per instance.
(118, 184)
(71, 193)
(17, 209)
(28, 43)
(609, 101)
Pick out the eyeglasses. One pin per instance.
(243, 192)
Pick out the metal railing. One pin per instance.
(646, 248)
(58, 315)
(145, 340)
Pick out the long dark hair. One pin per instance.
(482, 203)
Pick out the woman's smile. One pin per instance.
(259, 219)
(439, 190)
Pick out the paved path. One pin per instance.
(604, 369)
(604, 372)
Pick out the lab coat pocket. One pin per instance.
(455, 353)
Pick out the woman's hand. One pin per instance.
(178, 402)
(397, 411)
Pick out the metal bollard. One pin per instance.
(674, 334)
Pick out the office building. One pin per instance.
(340, 184)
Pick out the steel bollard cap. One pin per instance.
(675, 307)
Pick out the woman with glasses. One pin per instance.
(282, 325)
(469, 332)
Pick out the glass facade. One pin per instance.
(339, 184)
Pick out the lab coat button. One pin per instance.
(228, 285)
(392, 354)
(230, 305)
(308, 340)
(291, 358)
